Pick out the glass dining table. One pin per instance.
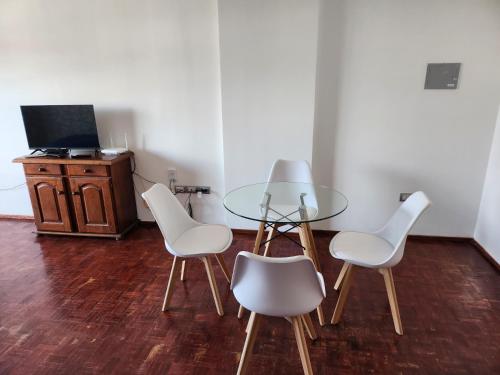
(281, 207)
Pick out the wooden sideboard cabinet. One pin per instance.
(81, 196)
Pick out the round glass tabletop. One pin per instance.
(285, 202)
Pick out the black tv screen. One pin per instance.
(60, 126)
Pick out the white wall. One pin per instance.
(268, 67)
(382, 131)
(488, 222)
(151, 68)
(336, 82)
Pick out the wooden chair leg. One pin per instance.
(267, 251)
(256, 249)
(393, 301)
(249, 342)
(250, 322)
(309, 326)
(241, 311)
(302, 345)
(321, 315)
(222, 264)
(338, 283)
(343, 295)
(183, 270)
(170, 285)
(213, 285)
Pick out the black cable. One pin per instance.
(135, 189)
(172, 188)
(134, 166)
(12, 187)
(132, 159)
(187, 203)
(189, 207)
(144, 178)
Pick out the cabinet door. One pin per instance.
(50, 205)
(93, 203)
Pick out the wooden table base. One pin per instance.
(307, 241)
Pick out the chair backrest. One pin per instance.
(287, 286)
(168, 212)
(395, 231)
(291, 171)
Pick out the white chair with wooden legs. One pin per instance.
(380, 250)
(291, 171)
(282, 287)
(185, 238)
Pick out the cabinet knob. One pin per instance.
(41, 169)
(75, 193)
(85, 170)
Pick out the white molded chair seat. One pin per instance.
(281, 287)
(362, 249)
(202, 240)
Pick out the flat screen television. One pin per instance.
(56, 127)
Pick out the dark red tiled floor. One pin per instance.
(80, 305)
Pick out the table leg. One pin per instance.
(312, 245)
(256, 248)
(305, 244)
(307, 241)
(267, 251)
(258, 239)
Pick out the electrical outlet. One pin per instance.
(404, 196)
(171, 174)
(183, 189)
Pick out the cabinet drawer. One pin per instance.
(87, 170)
(42, 169)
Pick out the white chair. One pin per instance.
(186, 238)
(287, 201)
(283, 287)
(382, 250)
(291, 171)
